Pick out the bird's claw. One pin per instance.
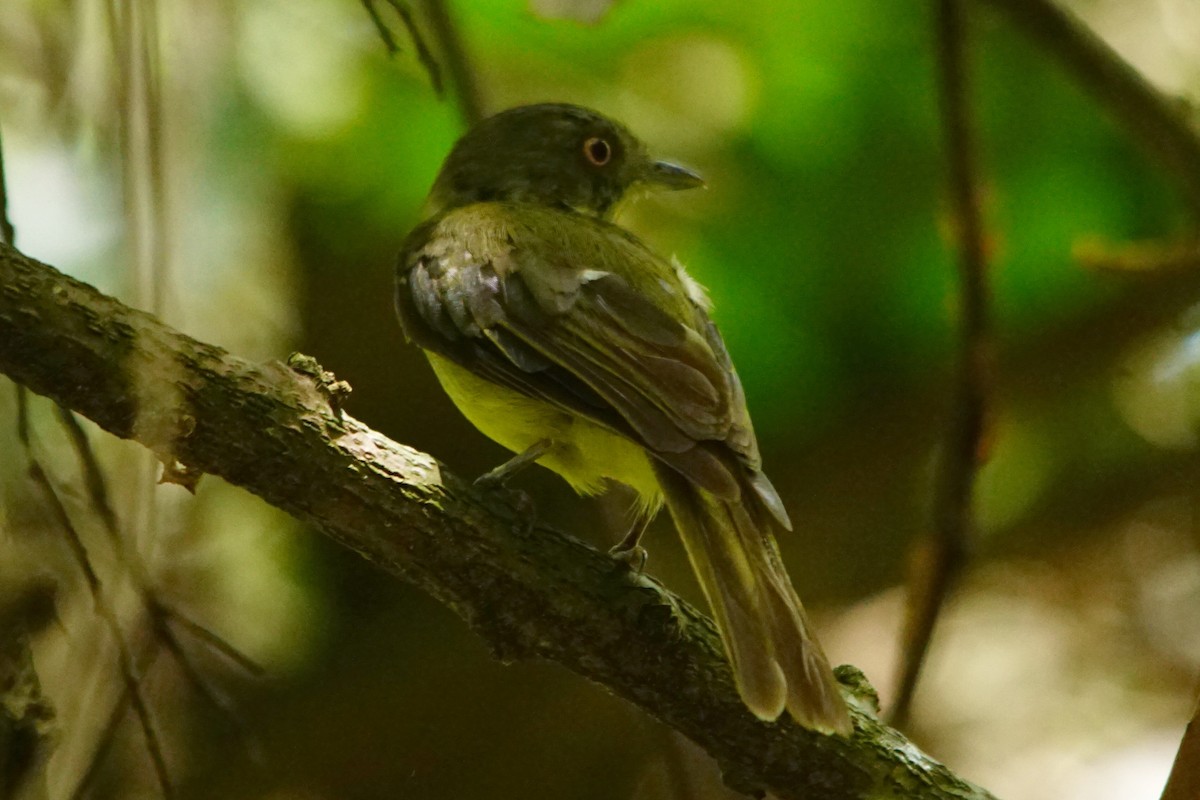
(488, 481)
(630, 558)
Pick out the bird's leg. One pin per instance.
(497, 476)
(628, 551)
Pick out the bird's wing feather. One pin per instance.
(577, 312)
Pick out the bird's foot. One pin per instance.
(629, 552)
(630, 558)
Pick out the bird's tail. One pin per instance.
(776, 659)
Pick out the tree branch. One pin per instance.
(458, 63)
(1184, 780)
(7, 234)
(943, 554)
(529, 591)
(1162, 125)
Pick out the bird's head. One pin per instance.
(552, 154)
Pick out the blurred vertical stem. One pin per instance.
(1184, 781)
(458, 64)
(941, 556)
(134, 30)
(130, 674)
(134, 34)
(7, 234)
(414, 33)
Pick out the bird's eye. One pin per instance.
(597, 151)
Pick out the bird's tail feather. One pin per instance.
(777, 662)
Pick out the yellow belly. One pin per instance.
(584, 453)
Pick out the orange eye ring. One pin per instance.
(597, 151)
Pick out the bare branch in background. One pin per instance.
(108, 734)
(133, 29)
(1184, 781)
(168, 615)
(414, 33)
(93, 476)
(134, 36)
(130, 674)
(162, 617)
(458, 63)
(941, 557)
(528, 590)
(1164, 126)
(7, 234)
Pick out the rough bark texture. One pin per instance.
(529, 591)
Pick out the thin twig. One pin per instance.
(104, 742)
(1184, 781)
(117, 18)
(206, 688)
(1163, 125)
(7, 234)
(93, 475)
(457, 62)
(414, 33)
(109, 732)
(133, 35)
(129, 671)
(385, 33)
(161, 614)
(160, 611)
(206, 635)
(945, 551)
(151, 89)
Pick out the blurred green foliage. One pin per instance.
(820, 237)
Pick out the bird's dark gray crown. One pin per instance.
(537, 154)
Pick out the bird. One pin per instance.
(565, 338)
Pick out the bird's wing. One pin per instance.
(579, 313)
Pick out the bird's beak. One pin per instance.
(673, 176)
